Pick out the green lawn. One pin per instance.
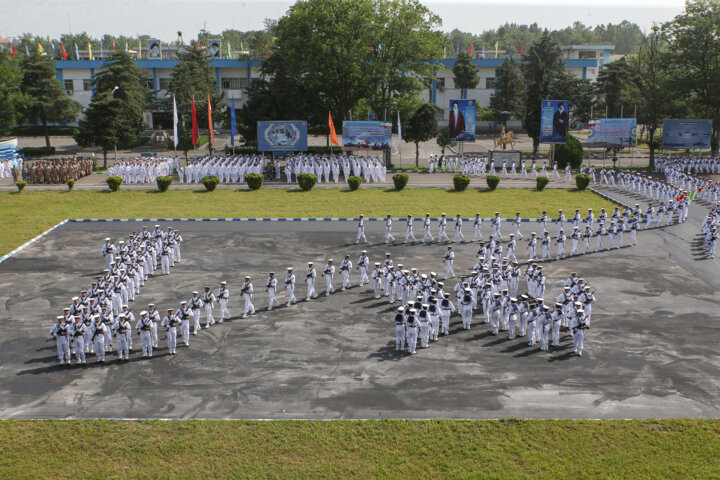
(436, 449)
(30, 213)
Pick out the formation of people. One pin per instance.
(142, 170)
(474, 165)
(331, 167)
(57, 170)
(229, 169)
(102, 313)
(7, 168)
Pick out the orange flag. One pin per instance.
(333, 135)
(210, 124)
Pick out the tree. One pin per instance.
(11, 98)
(695, 57)
(421, 127)
(612, 81)
(542, 65)
(579, 92)
(115, 115)
(509, 92)
(443, 140)
(193, 78)
(466, 73)
(45, 98)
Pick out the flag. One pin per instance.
(194, 123)
(210, 124)
(63, 50)
(27, 50)
(77, 53)
(40, 49)
(175, 123)
(470, 51)
(52, 48)
(90, 52)
(242, 47)
(483, 52)
(681, 197)
(233, 124)
(229, 52)
(126, 46)
(521, 49)
(139, 49)
(693, 195)
(496, 48)
(399, 132)
(445, 52)
(102, 53)
(12, 50)
(333, 135)
(113, 45)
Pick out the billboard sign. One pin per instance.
(282, 136)
(554, 121)
(215, 48)
(612, 132)
(691, 134)
(154, 48)
(462, 120)
(366, 135)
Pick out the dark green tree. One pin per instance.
(466, 73)
(543, 64)
(612, 81)
(443, 140)
(45, 98)
(421, 127)
(579, 92)
(509, 99)
(11, 98)
(115, 115)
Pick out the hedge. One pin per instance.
(461, 182)
(570, 152)
(306, 181)
(493, 181)
(354, 182)
(70, 184)
(37, 151)
(541, 183)
(582, 181)
(254, 180)
(136, 142)
(163, 183)
(210, 182)
(20, 185)
(400, 180)
(39, 131)
(114, 183)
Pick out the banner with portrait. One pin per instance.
(215, 48)
(357, 135)
(461, 121)
(154, 48)
(554, 121)
(282, 136)
(688, 134)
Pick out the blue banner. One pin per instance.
(366, 135)
(461, 121)
(688, 134)
(612, 132)
(282, 136)
(554, 121)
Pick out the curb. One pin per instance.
(30, 242)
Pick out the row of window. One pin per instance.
(489, 83)
(164, 83)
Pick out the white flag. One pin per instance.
(399, 132)
(175, 122)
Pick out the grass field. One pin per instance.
(29, 213)
(436, 449)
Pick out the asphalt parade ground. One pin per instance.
(652, 350)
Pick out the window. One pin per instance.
(87, 85)
(490, 84)
(164, 83)
(588, 54)
(150, 84)
(233, 83)
(441, 84)
(69, 88)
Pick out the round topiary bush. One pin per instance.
(582, 181)
(493, 181)
(163, 183)
(400, 180)
(306, 181)
(569, 153)
(354, 182)
(541, 183)
(210, 182)
(254, 180)
(70, 184)
(20, 185)
(114, 183)
(460, 182)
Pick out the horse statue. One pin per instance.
(504, 140)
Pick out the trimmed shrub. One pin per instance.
(37, 151)
(493, 181)
(114, 183)
(306, 181)
(20, 185)
(400, 180)
(254, 180)
(210, 182)
(70, 184)
(541, 183)
(354, 182)
(163, 183)
(569, 153)
(582, 181)
(460, 182)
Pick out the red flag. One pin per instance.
(333, 135)
(64, 52)
(194, 124)
(470, 51)
(12, 47)
(210, 124)
(521, 50)
(680, 197)
(113, 45)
